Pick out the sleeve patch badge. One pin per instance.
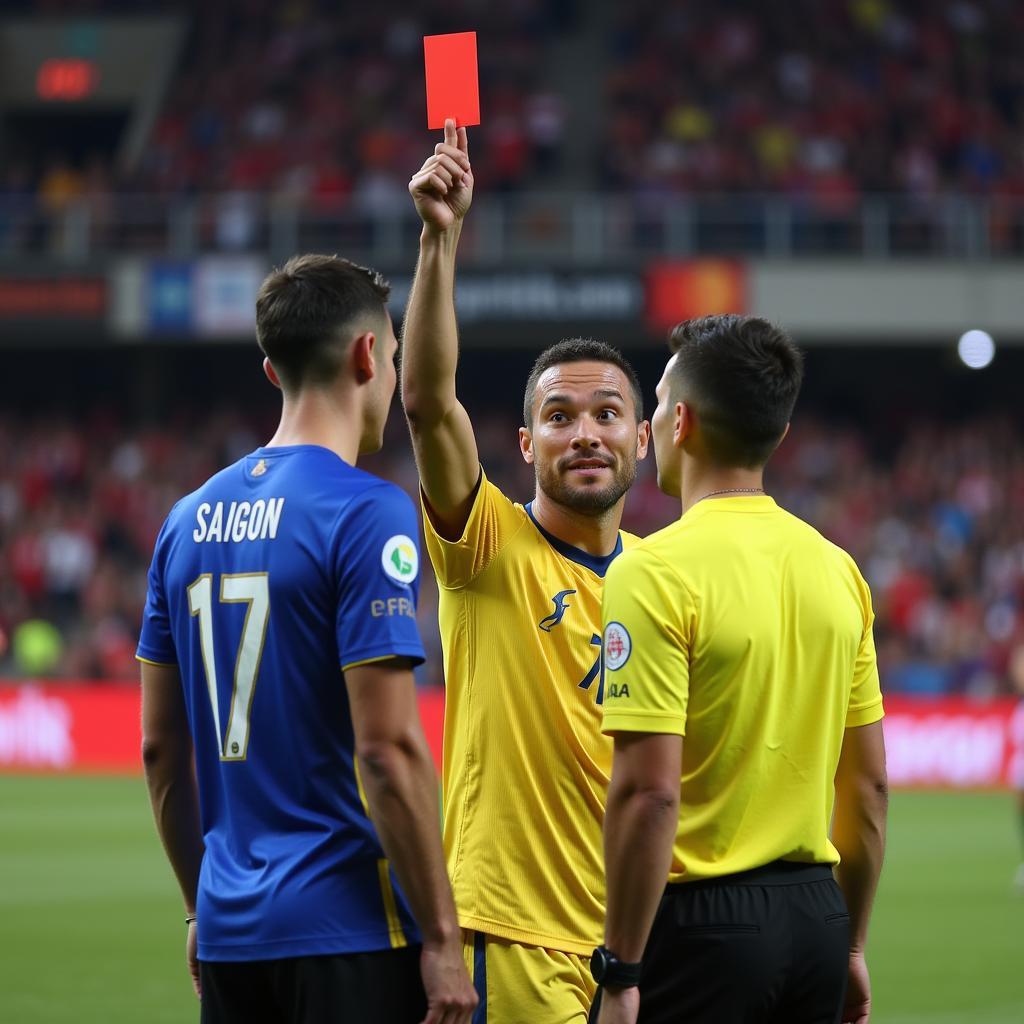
(400, 559)
(617, 646)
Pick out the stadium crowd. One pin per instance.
(936, 523)
(823, 100)
(311, 101)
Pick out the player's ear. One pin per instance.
(363, 357)
(784, 433)
(683, 425)
(643, 438)
(271, 374)
(526, 445)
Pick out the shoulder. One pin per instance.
(829, 550)
(843, 569)
(211, 490)
(652, 553)
(492, 494)
(659, 545)
(377, 507)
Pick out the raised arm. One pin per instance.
(442, 435)
(400, 783)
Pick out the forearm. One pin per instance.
(639, 829)
(401, 791)
(430, 336)
(859, 836)
(175, 802)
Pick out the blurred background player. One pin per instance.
(741, 660)
(525, 766)
(306, 844)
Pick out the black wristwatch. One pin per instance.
(611, 972)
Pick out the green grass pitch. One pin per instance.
(91, 925)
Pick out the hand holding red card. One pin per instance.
(442, 188)
(453, 88)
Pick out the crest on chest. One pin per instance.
(562, 604)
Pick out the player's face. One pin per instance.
(383, 394)
(584, 441)
(666, 454)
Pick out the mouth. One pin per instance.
(588, 465)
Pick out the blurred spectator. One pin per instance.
(816, 99)
(320, 106)
(936, 522)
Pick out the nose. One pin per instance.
(585, 435)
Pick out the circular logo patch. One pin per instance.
(399, 559)
(617, 645)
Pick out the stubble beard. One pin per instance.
(590, 499)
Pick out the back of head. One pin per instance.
(580, 350)
(307, 312)
(741, 376)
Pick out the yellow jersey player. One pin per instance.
(525, 766)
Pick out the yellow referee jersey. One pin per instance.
(526, 767)
(741, 628)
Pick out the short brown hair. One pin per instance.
(303, 308)
(742, 375)
(580, 350)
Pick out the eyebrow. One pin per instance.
(565, 399)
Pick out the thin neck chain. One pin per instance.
(731, 490)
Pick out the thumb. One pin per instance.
(450, 135)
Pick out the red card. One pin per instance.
(453, 88)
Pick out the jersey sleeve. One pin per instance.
(648, 624)
(866, 694)
(377, 563)
(156, 642)
(493, 521)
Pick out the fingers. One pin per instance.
(452, 153)
(428, 183)
(448, 168)
(441, 173)
(449, 1015)
(462, 141)
(454, 1011)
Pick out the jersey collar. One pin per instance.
(595, 563)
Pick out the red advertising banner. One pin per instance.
(95, 727)
(954, 743)
(90, 727)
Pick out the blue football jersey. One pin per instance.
(278, 574)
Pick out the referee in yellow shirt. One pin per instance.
(742, 694)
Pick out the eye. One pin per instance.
(607, 414)
(557, 417)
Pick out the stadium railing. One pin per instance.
(591, 229)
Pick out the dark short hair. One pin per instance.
(580, 350)
(303, 310)
(742, 375)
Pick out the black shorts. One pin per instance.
(353, 988)
(768, 946)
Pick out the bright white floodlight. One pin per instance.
(976, 349)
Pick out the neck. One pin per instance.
(701, 481)
(321, 418)
(595, 533)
